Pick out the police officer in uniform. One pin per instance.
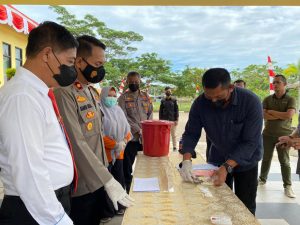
(137, 107)
(82, 117)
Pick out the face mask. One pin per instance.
(110, 101)
(93, 74)
(168, 94)
(66, 76)
(219, 103)
(134, 87)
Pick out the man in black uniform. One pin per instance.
(168, 110)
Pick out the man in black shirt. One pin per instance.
(169, 111)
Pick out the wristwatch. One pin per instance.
(228, 168)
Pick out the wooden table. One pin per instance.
(179, 202)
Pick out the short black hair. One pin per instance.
(133, 74)
(240, 81)
(283, 78)
(167, 88)
(214, 77)
(49, 34)
(86, 44)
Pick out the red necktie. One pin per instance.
(56, 110)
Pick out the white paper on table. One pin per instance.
(146, 184)
(204, 167)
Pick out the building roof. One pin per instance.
(14, 18)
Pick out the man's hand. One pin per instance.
(117, 194)
(295, 143)
(219, 176)
(175, 123)
(285, 141)
(269, 116)
(186, 171)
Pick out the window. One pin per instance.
(6, 59)
(19, 59)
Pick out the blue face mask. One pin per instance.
(110, 101)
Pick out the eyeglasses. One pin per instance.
(276, 82)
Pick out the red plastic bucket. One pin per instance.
(156, 137)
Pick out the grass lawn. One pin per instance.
(295, 120)
(183, 106)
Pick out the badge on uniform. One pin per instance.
(80, 99)
(78, 85)
(89, 126)
(90, 115)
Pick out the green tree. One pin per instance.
(257, 78)
(152, 67)
(187, 81)
(119, 43)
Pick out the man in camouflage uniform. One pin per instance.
(137, 107)
(82, 117)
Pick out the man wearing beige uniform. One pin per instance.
(137, 107)
(82, 117)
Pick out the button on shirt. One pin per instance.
(235, 131)
(34, 156)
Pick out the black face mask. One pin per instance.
(93, 74)
(66, 76)
(134, 87)
(219, 103)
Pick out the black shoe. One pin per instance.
(121, 212)
(105, 220)
(174, 149)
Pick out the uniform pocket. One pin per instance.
(145, 105)
(90, 123)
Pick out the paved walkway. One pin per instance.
(273, 207)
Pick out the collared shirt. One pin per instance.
(137, 107)
(34, 156)
(78, 106)
(235, 131)
(279, 127)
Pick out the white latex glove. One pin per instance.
(116, 193)
(186, 171)
(120, 146)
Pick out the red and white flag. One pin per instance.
(271, 75)
(122, 85)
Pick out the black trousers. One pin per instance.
(130, 153)
(245, 186)
(14, 212)
(89, 209)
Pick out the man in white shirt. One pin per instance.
(35, 159)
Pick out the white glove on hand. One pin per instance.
(117, 194)
(186, 171)
(119, 147)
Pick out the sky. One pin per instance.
(198, 36)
